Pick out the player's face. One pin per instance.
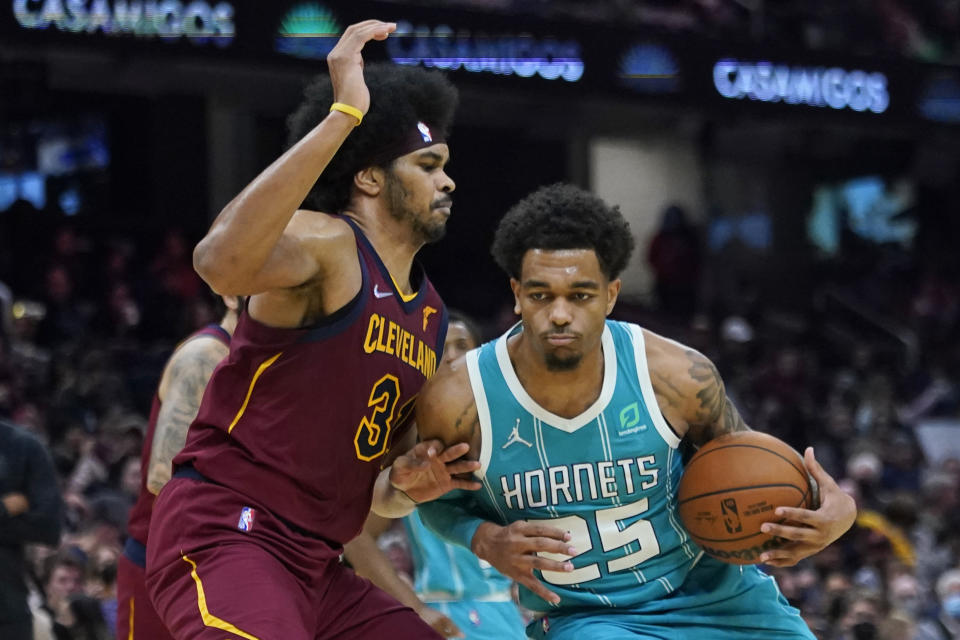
(563, 298)
(418, 190)
(459, 341)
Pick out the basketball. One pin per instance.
(732, 485)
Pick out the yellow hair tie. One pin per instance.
(347, 109)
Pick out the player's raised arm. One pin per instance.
(247, 250)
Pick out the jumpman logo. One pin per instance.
(515, 437)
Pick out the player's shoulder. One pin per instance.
(450, 378)
(197, 349)
(669, 358)
(317, 226)
(328, 238)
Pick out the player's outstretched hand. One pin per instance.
(513, 551)
(346, 62)
(440, 623)
(811, 531)
(428, 471)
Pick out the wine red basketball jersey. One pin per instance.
(139, 521)
(299, 420)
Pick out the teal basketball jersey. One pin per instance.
(608, 476)
(446, 572)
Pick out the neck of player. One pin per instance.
(566, 393)
(393, 241)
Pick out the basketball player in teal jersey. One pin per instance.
(577, 422)
(459, 595)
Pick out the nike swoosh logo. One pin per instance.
(381, 294)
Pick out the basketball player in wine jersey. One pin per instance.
(301, 426)
(175, 405)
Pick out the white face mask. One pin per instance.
(951, 605)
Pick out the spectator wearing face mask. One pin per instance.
(857, 616)
(946, 626)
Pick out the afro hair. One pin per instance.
(400, 97)
(562, 216)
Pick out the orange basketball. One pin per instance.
(732, 485)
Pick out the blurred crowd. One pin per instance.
(88, 320)
(86, 324)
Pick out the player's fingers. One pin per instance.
(818, 472)
(541, 530)
(801, 516)
(547, 545)
(448, 628)
(786, 561)
(466, 485)
(797, 534)
(427, 449)
(546, 564)
(361, 32)
(787, 555)
(538, 588)
(462, 466)
(382, 33)
(453, 451)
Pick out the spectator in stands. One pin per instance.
(30, 511)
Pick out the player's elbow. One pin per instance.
(215, 268)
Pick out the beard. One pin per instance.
(562, 363)
(397, 200)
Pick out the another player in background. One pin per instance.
(300, 428)
(175, 405)
(577, 421)
(459, 595)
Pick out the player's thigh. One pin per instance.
(353, 609)
(228, 591)
(484, 620)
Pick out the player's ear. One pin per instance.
(370, 181)
(613, 290)
(515, 286)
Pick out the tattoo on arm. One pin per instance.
(467, 424)
(713, 415)
(188, 378)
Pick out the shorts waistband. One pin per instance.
(189, 471)
(135, 551)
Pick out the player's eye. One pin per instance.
(538, 296)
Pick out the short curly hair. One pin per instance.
(400, 97)
(563, 216)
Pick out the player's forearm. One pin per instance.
(371, 563)
(452, 518)
(388, 501)
(244, 235)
